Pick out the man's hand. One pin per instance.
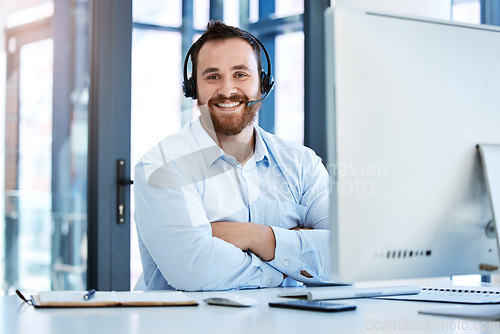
(256, 238)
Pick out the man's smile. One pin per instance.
(228, 105)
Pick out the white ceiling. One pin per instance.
(8, 7)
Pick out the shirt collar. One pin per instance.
(261, 153)
(208, 147)
(211, 151)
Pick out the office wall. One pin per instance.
(440, 9)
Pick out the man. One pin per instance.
(223, 204)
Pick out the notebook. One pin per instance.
(111, 299)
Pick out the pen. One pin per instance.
(89, 294)
(22, 297)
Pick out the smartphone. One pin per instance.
(313, 305)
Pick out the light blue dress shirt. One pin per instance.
(187, 181)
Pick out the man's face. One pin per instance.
(227, 78)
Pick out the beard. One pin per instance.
(232, 124)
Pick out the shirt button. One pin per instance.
(285, 263)
(269, 281)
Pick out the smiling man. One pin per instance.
(223, 204)
(226, 85)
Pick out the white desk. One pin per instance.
(371, 316)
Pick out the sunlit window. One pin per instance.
(34, 202)
(156, 103)
(289, 7)
(200, 14)
(158, 12)
(44, 112)
(289, 73)
(232, 12)
(468, 11)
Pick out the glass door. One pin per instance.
(43, 107)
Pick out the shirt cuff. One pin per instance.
(287, 252)
(269, 278)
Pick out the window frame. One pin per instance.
(109, 141)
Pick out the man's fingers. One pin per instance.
(306, 274)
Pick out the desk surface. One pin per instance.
(371, 316)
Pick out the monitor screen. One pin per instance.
(408, 101)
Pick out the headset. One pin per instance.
(266, 79)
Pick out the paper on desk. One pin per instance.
(486, 312)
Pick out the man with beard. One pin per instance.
(223, 204)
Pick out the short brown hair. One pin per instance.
(219, 31)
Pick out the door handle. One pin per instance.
(121, 185)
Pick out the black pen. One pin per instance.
(89, 294)
(22, 297)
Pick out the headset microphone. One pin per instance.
(251, 103)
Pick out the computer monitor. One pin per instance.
(408, 100)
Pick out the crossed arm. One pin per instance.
(255, 238)
(182, 250)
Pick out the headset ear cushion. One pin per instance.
(189, 88)
(266, 81)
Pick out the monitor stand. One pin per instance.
(490, 157)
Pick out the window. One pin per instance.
(289, 68)
(43, 244)
(468, 11)
(156, 102)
